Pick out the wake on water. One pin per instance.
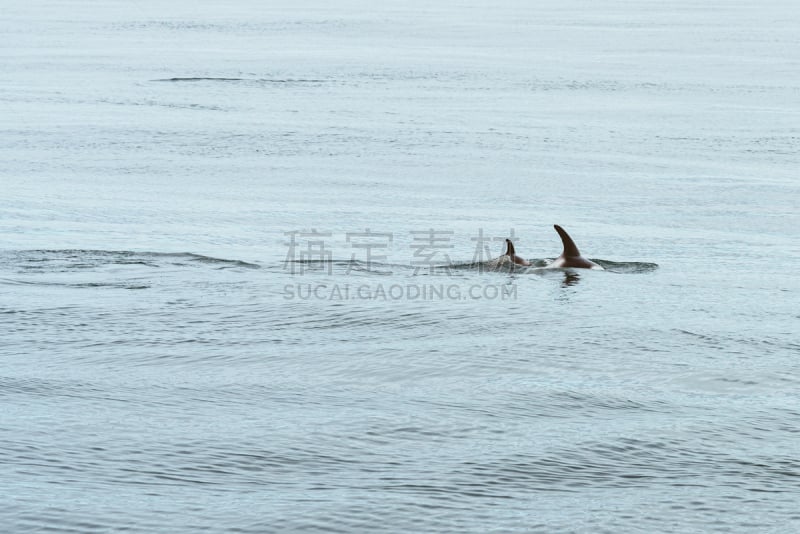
(76, 260)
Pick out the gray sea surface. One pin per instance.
(193, 338)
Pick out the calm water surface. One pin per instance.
(165, 369)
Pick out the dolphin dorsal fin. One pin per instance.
(570, 248)
(509, 248)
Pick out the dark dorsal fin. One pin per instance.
(509, 248)
(570, 248)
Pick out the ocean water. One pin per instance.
(193, 338)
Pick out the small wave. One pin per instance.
(342, 266)
(254, 80)
(11, 387)
(118, 285)
(26, 261)
(207, 259)
(198, 79)
(632, 267)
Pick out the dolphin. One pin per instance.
(571, 257)
(513, 256)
